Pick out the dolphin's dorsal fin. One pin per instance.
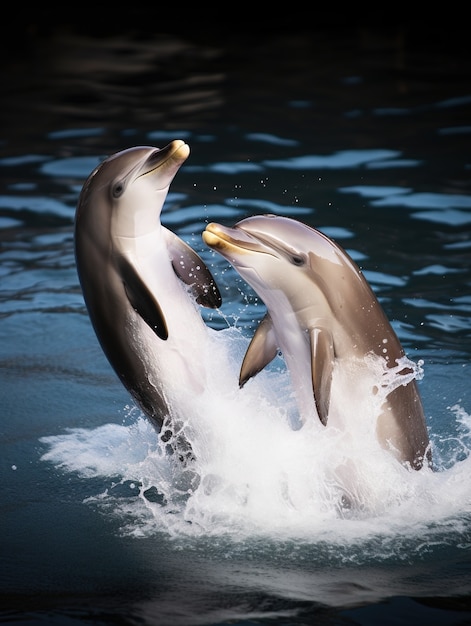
(192, 270)
(322, 364)
(262, 349)
(141, 299)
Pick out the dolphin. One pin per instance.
(321, 314)
(140, 281)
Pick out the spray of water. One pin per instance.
(255, 474)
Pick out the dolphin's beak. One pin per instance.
(164, 164)
(228, 241)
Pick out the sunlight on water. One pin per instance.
(257, 476)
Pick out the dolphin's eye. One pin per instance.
(297, 259)
(118, 189)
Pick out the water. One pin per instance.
(364, 136)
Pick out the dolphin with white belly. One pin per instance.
(321, 313)
(140, 281)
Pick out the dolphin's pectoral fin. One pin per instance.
(141, 299)
(262, 349)
(322, 364)
(191, 269)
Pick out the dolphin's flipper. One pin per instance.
(322, 364)
(192, 270)
(262, 349)
(141, 299)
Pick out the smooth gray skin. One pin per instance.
(320, 310)
(136, 275)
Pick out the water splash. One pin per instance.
(255, 476)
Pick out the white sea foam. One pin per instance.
(256, 475)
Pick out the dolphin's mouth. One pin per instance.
(171, 156)
(228, 241)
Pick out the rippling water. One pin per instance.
(365, 137)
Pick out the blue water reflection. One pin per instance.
(437, 207)
(339, 160)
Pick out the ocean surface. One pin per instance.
(363, 133)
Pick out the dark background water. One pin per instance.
(365, 119)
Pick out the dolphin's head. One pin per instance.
(271, 252)
(124, 195)
(280, 237)
(297, 269)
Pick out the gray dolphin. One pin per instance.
(321, 313)
(139, 280)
